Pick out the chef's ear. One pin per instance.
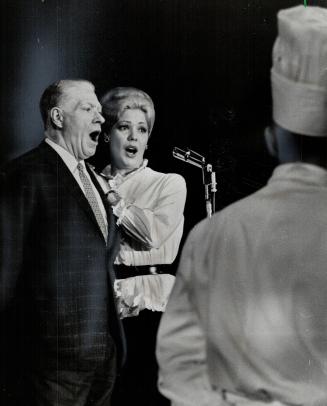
(271, 142)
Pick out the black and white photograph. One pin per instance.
(163, 203)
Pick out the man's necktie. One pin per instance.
(90, 195)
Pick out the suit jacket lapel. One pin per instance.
(103, 198)
(98, 187)
(67, 179)
(113, 242)
(113, 246)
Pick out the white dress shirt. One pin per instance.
(71, 163)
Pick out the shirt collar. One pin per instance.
(300, 172)
(69, 159)
(106, 172)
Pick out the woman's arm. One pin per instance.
(153, 226)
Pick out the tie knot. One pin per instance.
(80, 167)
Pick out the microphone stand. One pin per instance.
(208, 176)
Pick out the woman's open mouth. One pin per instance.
(131, 151)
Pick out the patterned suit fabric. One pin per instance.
(92, 200)
(56, 304)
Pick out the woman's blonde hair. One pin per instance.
(119, 99)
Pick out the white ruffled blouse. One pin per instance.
(150, 213)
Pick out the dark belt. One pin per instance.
(124, 271)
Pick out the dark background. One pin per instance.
(204, 62)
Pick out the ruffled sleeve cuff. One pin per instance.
(143, 292)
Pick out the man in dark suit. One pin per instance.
(60, 335)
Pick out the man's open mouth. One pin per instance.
(94, 136)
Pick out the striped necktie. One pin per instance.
(90, 195)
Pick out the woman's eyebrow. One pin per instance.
(129, 122)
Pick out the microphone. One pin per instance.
(189, 156)
(208, 176)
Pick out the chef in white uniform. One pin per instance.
(246, 323)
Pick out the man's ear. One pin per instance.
(56, 116)
(271, 142)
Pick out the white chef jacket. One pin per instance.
(248, 312)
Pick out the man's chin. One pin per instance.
(90, 151)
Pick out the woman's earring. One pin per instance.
(146, 147)
(106, 138)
